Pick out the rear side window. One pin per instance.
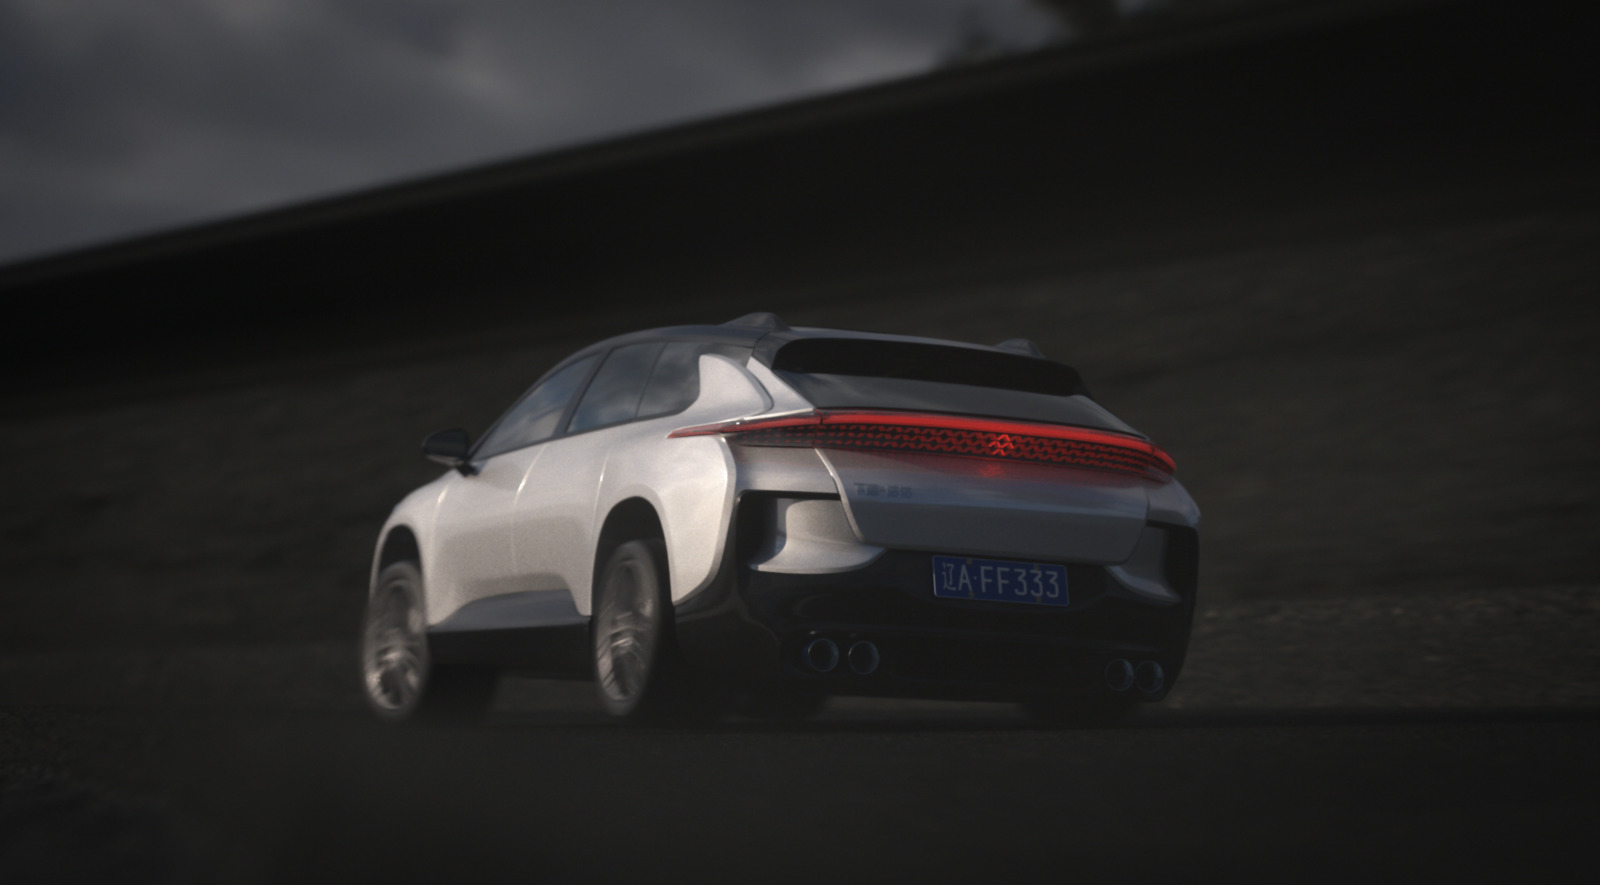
(613, 395)
(536, 417)
(675, 383)
(927, 362)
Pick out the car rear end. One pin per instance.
(944, 520)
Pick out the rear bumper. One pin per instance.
(751, 627)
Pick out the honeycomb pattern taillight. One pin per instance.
(951, 435)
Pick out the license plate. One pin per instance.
(999, 580)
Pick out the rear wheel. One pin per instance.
(636, 671)
(399, 678)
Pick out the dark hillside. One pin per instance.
(1345, 273)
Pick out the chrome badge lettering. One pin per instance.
(874, 490)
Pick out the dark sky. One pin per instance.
(120, 117)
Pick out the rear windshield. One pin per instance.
(834, 373)
(927, 362)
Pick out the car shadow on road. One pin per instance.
(897, 718)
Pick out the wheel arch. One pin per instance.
(632, 519)
(399, 544)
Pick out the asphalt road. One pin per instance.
(1382, 737)
(868, 795)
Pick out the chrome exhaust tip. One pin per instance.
(863, 657)
(821, 655)
(1119, 674)
(1149, 678)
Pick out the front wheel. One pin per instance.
(398, 675)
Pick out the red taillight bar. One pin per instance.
(1145, 455)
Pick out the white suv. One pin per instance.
(763, 515)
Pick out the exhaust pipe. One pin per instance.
(1149, 678)
(1119, 674)
(863, 657)
(821, 655)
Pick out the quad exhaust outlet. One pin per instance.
(863, 658)
(822, 655)
(1149, 677)
(1119, 675)
(1146, 678)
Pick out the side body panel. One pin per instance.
(528, 524)
(689, 480)
(470, 541)
(553, 531)
(416, 514)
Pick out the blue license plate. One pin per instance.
(999, 580)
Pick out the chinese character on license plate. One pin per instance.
(999, 580)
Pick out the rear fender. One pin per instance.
(690, 481)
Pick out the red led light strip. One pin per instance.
(949, 434)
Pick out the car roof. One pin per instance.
(707, 334)
(769, 344)
(766, 333)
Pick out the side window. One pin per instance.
(536, 416)
(675, 384)
(613, 395)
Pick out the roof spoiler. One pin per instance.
(760, 320)
(1020, 345)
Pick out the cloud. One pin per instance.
(118, 118)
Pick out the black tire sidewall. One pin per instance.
(651, 557)
(447, 694)
(405, 577)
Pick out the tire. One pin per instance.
(398, 677)
(637, 674)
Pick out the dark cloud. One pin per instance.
(117, 118)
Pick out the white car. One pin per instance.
(760, 515)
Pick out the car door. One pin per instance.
(473, 553)
(556, 518)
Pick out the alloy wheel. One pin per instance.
(627, 629)
(394, 650)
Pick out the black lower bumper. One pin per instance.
(752, 627)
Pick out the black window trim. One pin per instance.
(567, 419)
(709, 345)
(572, 406)
(566, 413)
